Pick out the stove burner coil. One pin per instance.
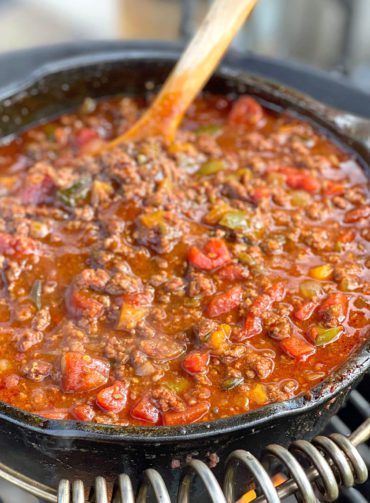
(317, 469)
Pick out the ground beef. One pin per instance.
(96, 279)
(204, 328)
(167, 399)
(27, 339)
(161, 238)
(256, 364)
(37, 370)
(200, 285)
(122, 282)
(42, 319)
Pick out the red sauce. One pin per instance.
(160, 284)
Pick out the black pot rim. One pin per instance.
(338, 123)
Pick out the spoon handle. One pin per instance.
(191, 72)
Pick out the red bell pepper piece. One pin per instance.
(245, 111)
(305, 311)
(187, 416)
(296, 347)
(224, 302)
(145, 410)
(83, 412)
(196, 362)
(214, 254)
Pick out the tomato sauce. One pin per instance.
(168, 284)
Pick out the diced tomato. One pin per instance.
(277, 291)
(297, 347)
(81, 372)
(333, 188)
(214, 254)
(299, 179)
(259, 193)
(36, 193)
(145, 410)
(305, 311)
(87, 140)
(337, 303)
(187, 416)
(232, 272)
(85, 135)
(82, 303)
(196, 362)
(83, 412)
(245, 111)
(224, 302)
(53, 413)
(113, 398)
(252, 326)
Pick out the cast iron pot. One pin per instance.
(48, 450)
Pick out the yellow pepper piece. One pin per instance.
(219, 336)
(258, 394)
(130, 316)
(322, 271)
(216, 213)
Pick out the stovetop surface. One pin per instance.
(19, 65)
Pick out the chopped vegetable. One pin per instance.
(178, 384)
(196, 362)
(211, 129)
(300, 179)
(300, 198)
(216, 213)
(81, 372)
(252, 326)
(145, 410)
(130, 316)
(310, 289)
(231, 383)
(76, 192)
(214, 254)
(297, 347)
(322, 336)
(235, 220)
(219, 337)
(224, 302)
(113, 398)
(36, 294)
(334, 306)
(305, 311)
(322, 272)
(258, 394)
(83, 412)
(211, 168)
(187, 416)
(246, 111)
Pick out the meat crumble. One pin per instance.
(156, 284)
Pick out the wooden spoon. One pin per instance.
(196, 64)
